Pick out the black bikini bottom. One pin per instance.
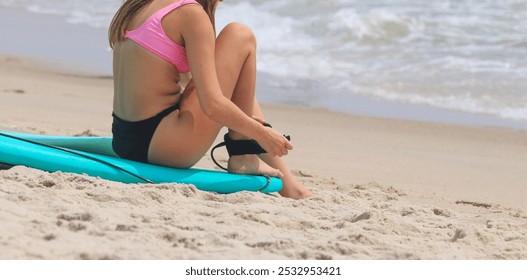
(132, 139)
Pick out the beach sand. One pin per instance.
(384, 189)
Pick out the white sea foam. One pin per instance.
(466, 55)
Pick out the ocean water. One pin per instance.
(466, 55)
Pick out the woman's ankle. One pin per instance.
(236, 135)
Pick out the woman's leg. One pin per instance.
(183, 137)
(291, 186)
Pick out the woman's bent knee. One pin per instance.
(238, 31)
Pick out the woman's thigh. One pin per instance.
(183, 137)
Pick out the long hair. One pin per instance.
(210, 8)
(131, 8)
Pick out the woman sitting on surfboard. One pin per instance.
(176, 85)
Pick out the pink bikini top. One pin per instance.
(152, 37)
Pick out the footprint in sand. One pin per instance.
(76, 220)
(17, 91)
(363, 216)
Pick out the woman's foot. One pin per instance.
(251, 164)
(258, 165)
(292, 188)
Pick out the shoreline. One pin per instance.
(55, 43)
(86, 52)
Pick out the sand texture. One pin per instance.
(384, 189)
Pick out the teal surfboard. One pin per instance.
(94, 156)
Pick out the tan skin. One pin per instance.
(220, 93)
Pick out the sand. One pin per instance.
(384, 189)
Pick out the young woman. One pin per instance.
(176, 85)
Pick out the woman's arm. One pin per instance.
(200, 39)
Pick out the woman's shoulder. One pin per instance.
(184, 17)
(189, 11)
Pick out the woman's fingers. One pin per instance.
(283, 147)
(276, 144)
(288, 145)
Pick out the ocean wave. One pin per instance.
(376, 25)
(447, 54)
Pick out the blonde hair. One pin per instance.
(131, 8)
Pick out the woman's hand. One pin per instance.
(274, 142)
